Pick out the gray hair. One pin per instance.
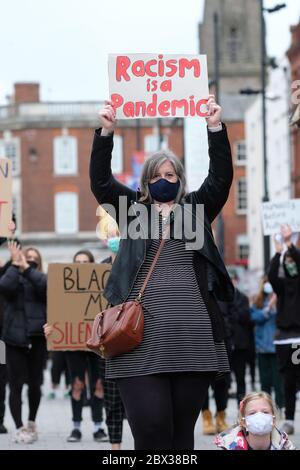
(150, 168)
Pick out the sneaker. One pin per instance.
(3, 429)
(100, 436)
(51, 396)
(75, 436)
(31, 429)
(287, 428)
(22, 436)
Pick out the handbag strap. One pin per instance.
(161, 245)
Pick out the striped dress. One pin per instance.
(177, 334)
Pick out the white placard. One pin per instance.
(157, 85)
(275, 214)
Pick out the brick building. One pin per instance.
(294, 57)
(239, 68)
(49, 144)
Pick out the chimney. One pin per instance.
(27, 92)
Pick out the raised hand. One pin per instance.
(278, 245)
(214, 111)
(15, 252)
(286, 233)
(107, 117)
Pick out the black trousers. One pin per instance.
(220, 388)
(270, 378)
(80, 363)
(59, 367)
(288, 364)
(25, 365)
(3, 380)
(239, 361)
(162, 409)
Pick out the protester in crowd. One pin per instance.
(112, 400)
(81, 363)
(257, 427)
(24, 287)
(221, 386)
(243, 331)
(285, 280)
(163, 382)
(263, 314)
(3, 368)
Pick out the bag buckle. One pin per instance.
(102, 351)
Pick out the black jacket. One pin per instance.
(288, 296)
(213, 194)
(242, 326)
(25, 305)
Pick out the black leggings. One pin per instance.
(80, 363)
(25, 365)
(291, 377)
(220, 388)
(162, 409)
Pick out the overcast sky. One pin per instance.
(63, 44)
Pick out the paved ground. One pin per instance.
(54, 425)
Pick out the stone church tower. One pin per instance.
(239, 43)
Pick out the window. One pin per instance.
(241, 195)
(243, 248)
(11, 149)
(66, 212)
(65, 155)
(117, 155)
(151, 143)
(241, 152)
(233, 45)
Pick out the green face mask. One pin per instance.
(292, 269)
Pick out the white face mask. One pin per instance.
(259, 423)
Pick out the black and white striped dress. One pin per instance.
(178, 334)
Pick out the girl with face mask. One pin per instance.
(263, 314)
(257, 427)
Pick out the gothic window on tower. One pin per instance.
(233, 44)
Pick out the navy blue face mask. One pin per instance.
(164, 191)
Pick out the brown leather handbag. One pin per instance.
(119, 329)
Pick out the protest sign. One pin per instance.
(158, 86)
(75, 297)
(5, 196)
(275, 214)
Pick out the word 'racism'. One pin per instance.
(159, 76)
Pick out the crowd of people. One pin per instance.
(200, 329)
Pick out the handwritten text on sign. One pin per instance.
(156, 85)
(5, 196)
(275, 214)
(75, 297)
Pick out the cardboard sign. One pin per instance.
(75, 297)
(5, 196)
(275, 214)
(158, 86)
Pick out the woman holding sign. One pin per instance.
(164, 381)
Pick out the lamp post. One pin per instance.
(264, 115)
